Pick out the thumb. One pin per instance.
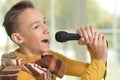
(81, 41)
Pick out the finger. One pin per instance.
(105, 41)
(79, 32)
(96, 38)
(81, 41)
(89, 33)
(84, 34)
(100, 38)
(92, 30)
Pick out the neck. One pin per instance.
(29, 52)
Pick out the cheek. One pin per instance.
(30, 40)
(34, 39)
(33, 42)
(32, 36)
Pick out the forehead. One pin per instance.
(30, 15)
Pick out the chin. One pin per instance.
(46, 50)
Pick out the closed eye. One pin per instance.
(35, 27)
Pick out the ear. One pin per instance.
(17, 38)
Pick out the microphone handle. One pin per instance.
(71, 36)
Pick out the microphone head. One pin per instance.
(61, 36)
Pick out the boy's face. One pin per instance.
(34, 31)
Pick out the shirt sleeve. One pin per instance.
(95, 71)
(75, 68)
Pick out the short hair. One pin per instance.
(11, 22)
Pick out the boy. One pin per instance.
(34, 60)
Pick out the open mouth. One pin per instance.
(45, 41)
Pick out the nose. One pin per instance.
(46, 29)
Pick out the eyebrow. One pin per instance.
(37, 21)
(34, 23)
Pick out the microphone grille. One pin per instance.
(61, 36)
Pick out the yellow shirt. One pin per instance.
(93, 71)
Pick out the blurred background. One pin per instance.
(68, 15)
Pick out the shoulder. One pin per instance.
(54, 53)
(57, 54)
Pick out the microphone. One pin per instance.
(62, 36)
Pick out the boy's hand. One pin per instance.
(87, 35)
(99, 47)
(94, 40)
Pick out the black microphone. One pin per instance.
(62, 36)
